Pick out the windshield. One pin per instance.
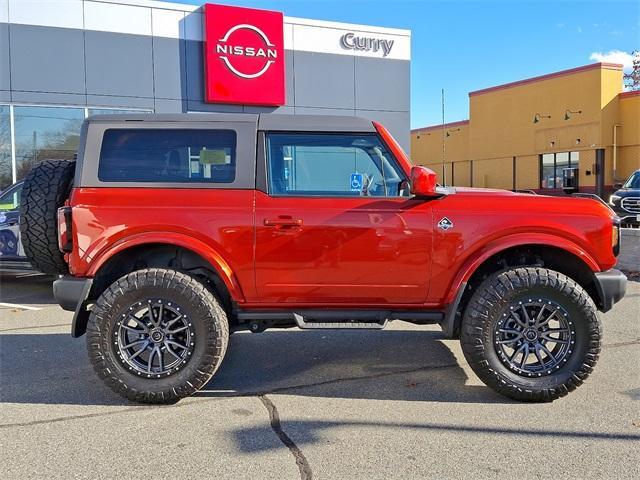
(634, 181)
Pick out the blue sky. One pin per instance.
(467, 45)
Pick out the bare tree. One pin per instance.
(632, 79)
(6, 177)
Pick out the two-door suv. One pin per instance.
(171, 231)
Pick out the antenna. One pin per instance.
(444, 167)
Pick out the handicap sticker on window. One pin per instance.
(356, 182)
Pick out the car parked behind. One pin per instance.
(12, 256)
(626, 200)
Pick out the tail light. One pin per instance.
(65, 239)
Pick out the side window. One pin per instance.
(10, 200)
(302, 164)
(168, 156)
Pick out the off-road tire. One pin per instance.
(203, 308)
(45, 189)
(487, 306)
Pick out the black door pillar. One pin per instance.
(600, 172)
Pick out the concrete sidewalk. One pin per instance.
(629, 259)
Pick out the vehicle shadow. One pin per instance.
(409, 365)
(303, 433)
(30, 288)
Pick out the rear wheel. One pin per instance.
(157, 335)
(531, 334)
(45, 189)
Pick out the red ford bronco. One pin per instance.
(171, 231)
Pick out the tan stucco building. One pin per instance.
(525, 134)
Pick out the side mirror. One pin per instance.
(617, 186)
(423, 182)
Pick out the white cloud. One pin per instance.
(614, 56)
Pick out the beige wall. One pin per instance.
(587, 162)
(426, 147)
(628, 133)
(503, 120)
(527, 172)
(462, 174)
(493, 173)
(501, 126)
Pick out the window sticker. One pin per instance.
(356, 182)
(213, 157)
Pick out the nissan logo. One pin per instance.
(226, 49)
(351, 41)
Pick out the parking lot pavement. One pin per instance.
(399, 403)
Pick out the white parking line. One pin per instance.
(18, 306)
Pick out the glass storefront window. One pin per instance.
(552, 166)
(562, 162)
(6, 177)
(40, 133)
(575, 159)
(45, 132)
(548, 171)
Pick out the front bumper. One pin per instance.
(611, 285)
(626, 216)
(629, 219)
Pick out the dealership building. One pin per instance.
(534, 133)
(62, 60)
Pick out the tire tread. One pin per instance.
(476, 320)
(45, 189)
(98, 335)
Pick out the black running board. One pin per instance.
(336, 319)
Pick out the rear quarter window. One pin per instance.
(168, 156)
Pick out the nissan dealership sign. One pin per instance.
(244, 56)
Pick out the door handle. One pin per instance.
(282, 222)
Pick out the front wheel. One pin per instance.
(531, 334)
(157, 335)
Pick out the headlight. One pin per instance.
(613, 199)
(615, 238)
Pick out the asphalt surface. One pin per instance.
(395, 404)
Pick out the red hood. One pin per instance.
(568, 204)
(485, 191)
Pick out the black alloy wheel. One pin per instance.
(155, 338)
(534, 337)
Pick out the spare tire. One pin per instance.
(45, 189)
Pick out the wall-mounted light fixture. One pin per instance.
(537, 117)
(449, 132)
(427, 134)
(568, 113)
